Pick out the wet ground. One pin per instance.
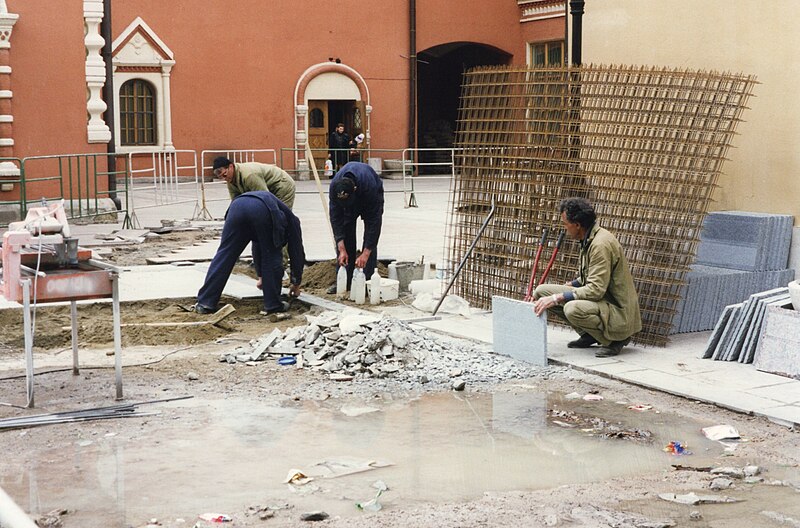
(223, 455)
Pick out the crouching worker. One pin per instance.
(261, 218)
(601, 304)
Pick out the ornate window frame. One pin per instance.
(138, 53)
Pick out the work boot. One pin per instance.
(331, 290)
(613, 348)
(204, 310)
(584, 341)
(284, 306)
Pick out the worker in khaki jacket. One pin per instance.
(601, 304)
(251, 176)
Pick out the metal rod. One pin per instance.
(33, 271)
(466, 256)
(73, 310)
(26, 322)
(117, 336)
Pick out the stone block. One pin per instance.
(518, 332)
(778, 350)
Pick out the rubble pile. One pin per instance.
(354, 344)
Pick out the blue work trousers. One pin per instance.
(247, 222)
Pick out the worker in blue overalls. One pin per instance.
(261, 218)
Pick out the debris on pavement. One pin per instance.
(215, 517)
(720, 432)
(640, 407)
(371, 505)
(354, 344)
(693, 498)
(781, 519)
(314, 516)
(721, 484)
(343, 465)
(597, 426)
(593, 397)
(677, 448)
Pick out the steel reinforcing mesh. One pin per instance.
(645, 145)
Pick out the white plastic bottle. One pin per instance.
(375, 288)
(359, 286)
(341, 282)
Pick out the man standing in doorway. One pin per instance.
(601, 304)
(249, 177)
(339, 145)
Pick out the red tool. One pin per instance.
(535, 265)
(533, 283)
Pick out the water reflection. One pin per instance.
(236, 453)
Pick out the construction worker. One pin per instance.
(251, 176)
(355, 191)
(601, 304)
(257, 217)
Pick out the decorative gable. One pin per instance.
(139, 45)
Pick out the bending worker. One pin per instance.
(601, 304)
(355, 191)
(251, 176)
(257, 217)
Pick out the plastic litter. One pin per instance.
(640, 407)
(720, 432)
(676, 448)
(592, 397)
(215, 517)
(371, 505)
(287, 360)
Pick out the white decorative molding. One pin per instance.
(6, 118)
(97, 128)
(541, 9)
(6, 142)
(138, 53)
(6, 94)
(7, 21)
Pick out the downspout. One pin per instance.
(576, 10)
(412, 74)
(108, 95)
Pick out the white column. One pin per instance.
(166, 68)
(95, 72)
(7, 168)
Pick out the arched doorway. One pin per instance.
(327, 94)
(439, 75)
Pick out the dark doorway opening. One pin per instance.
(439, 76)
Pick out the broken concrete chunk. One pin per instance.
(751, 471)
(693, 498)
(721, 483)
(398, 338)
(459, 385)
(729, 472)
(314, 516)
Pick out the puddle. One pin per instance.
(227, 455)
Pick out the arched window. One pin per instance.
(137, 113)
(316, 119)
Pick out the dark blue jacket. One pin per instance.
(367, 203)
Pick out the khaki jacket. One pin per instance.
(605, 277)
(262, 177)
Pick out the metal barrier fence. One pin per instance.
(160, 177)
(427, 163)
(80, 179)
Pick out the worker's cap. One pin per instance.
(221, 162)
(343, 190)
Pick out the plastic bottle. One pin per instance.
(341, 282)
(359, 286)
(375, 288)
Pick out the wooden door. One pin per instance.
(318, 132)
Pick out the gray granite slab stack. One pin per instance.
(778, 349)
(518, 332)
(740, 253)
(739, 328)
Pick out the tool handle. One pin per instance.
(544, 236)
(560, 239)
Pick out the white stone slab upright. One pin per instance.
(518, 332)
(778, 350)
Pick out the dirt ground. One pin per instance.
(184, 360)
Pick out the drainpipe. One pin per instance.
(576, 10)
(108, 95)
(412, 74)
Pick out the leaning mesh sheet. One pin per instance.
(646, 146)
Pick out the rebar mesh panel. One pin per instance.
(646, 146)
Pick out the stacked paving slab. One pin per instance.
(740, 254)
